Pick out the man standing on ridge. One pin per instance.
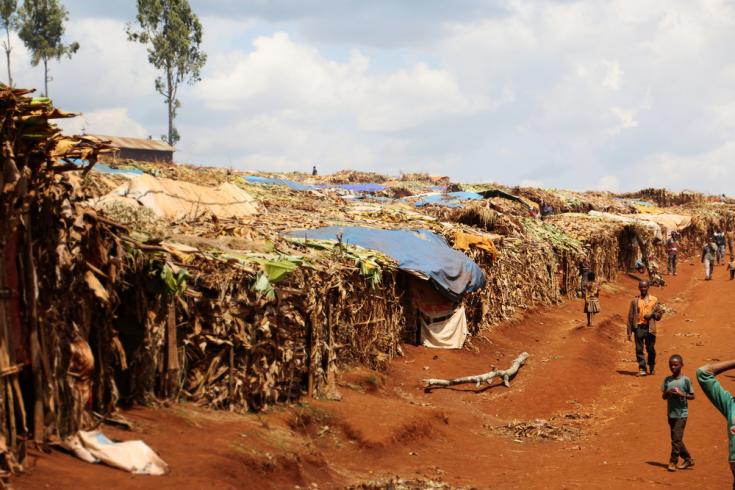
(643, 314)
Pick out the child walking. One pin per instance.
(677, 391)
(591, 297)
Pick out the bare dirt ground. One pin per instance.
(608, 427)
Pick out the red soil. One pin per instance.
(387, 425)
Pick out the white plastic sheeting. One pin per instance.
(133, 456)
(446, 334)
(176, 199)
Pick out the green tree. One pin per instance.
(8, 18)
(41, 27)
(173, 34)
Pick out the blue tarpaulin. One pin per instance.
(450, 200)
(297, 186)
(362, 187)
(101, 167)
(421, 251)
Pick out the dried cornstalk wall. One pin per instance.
(525, 274)
(238, 349)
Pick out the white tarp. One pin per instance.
(446, 334)
(133, 456)
(654, 221)
(176, 199)
(672, 222)
(632, 219)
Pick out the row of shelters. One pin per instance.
(239, 291)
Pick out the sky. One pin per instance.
(611, 94)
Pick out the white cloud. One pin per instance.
(613, 75)
(294, 80)
(626, 119)
(608, 183)
(114, 121)
(711, 170)
(566, 94)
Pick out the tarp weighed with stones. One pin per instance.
(420, 252)
(362, 187)
(297, 186)
(177, 199)
(450, 199)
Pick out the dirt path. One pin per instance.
(579, 379)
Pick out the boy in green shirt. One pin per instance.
(677, 391)
(721, 399)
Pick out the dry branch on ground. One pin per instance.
(505, 374)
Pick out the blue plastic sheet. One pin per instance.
(450, 200)
(422, 251)
(101, 167)
(106, 169)
(297, 186)
(362, 187)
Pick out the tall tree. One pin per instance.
(8, 18)
(173, 34)
(41, 27)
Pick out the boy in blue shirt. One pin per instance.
(677, 391)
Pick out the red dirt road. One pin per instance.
(387, 425)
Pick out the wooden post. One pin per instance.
(32, 305)
(5, 364)
(231, 386)
(4, 327)
(172, 361)
(172, 353)
(311, 339)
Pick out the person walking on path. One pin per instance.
(677, 391)
(584, 269)
(709, 251)
(591, 297)
(643, 314)
(722, 400)
(731, 267)
(719, 238)
(672, 245)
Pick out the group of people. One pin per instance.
(643, 314)
(713, 253)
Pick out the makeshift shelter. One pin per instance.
(420, 252)
(174, 199)
(443, 325)
(444, 276)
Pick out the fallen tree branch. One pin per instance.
(506, 374)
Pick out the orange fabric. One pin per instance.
(464, 241)
(645, 307)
